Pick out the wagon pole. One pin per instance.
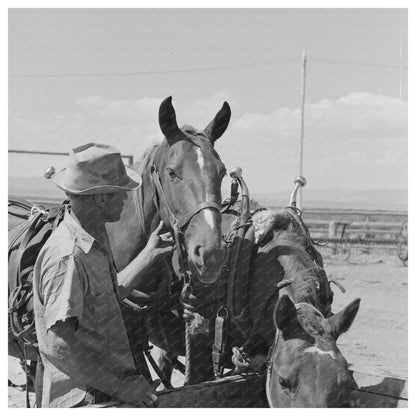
(302, 123)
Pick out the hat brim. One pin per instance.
(134, 182)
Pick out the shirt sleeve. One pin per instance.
(63, 286)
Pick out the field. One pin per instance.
(377, 341)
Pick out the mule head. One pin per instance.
(191, 173)
(308, 370)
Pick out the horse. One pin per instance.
(181, 185)
(305, 367)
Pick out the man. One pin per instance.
(81, 335)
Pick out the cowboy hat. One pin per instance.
(96, 169)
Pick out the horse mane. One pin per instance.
(141, 164)
(267, 220)
(299, 259)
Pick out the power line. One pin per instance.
(207, 69)
(157, 72)
(368, 64)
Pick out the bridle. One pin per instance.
(178, 225)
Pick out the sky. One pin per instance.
(82, 75)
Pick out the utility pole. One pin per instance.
(400, 54)
(302, 122)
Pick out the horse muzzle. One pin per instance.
(207, 262)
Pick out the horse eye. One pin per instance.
(284, 382)
(171, 172)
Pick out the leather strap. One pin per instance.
(219, 347)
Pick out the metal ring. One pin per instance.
(223, 308)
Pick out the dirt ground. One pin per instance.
(377, 340)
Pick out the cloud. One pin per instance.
(358, 141)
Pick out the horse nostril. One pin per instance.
(197, 251)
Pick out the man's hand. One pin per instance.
(138, 392)
(159, 245)
(147, 261)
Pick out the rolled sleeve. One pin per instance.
(63, 291)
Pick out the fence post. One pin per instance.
(332, 233)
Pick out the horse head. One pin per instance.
(306, 368)
(190, 173)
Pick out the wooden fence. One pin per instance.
(33, 152)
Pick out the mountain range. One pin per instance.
(40, 189)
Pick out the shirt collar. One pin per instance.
(84, 240)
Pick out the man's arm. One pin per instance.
(158, 247)
(71, 357)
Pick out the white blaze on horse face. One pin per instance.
(200, 159)
(208, 214)
(209, 217)
(316, 349)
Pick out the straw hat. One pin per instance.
(96, 169)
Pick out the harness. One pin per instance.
(23, 250)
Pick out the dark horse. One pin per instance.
(305, 367)
(182, 186)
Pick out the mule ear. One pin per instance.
(167, 120)
(285, 315)
(217, 127)
(342, 320)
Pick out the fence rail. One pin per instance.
(34, 152)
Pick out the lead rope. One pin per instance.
(186, 293)
(187, 299)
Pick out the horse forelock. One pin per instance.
(192, 130)
(315, 325)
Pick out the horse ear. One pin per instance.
(285, 315)
(342, 320)
(218, 125)
(167, 120)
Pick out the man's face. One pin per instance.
(114, 206)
